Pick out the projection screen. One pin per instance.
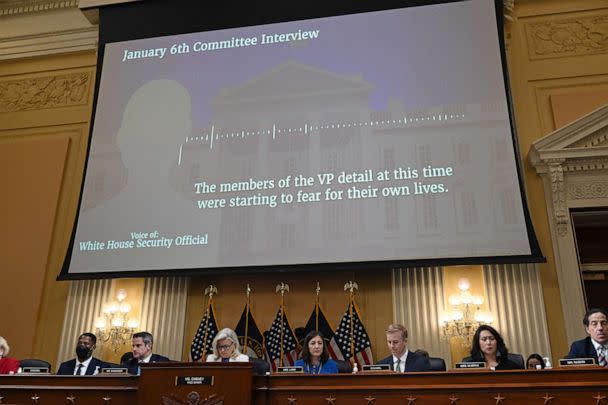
(381, 138)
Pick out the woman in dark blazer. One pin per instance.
(488, 346)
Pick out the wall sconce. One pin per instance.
(115, 326)
(465, 317)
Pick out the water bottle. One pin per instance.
(355, 368)
(547, 362)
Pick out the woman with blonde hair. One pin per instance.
(226, 347)
(7, 365)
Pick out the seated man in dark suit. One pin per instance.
(141, 343)
(401, 359)
(596, 344)
(84, 363)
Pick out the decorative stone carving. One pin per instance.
(31, 6)
(508, 13)
(568, 37)
(45, 92)
(560, 210)
(600, 138)
(571, 163)
(588, 191)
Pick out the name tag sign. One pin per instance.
(114, 371)
(577, 362)
(290, 369)
(376, 367)
(471, 364)
(194, 380)
(35, 370)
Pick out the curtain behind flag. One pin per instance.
(352, 337)
(249, 335)
(318, 322)
(201, 344)
(274, 340)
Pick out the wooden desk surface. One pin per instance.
(576, 386)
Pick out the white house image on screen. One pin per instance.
(299, 119)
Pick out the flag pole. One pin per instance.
(209, 291)
(351, 286)
(318, 289)
(282, 288)
(247, 321)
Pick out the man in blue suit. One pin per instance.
(596, 344)
(84, 363)
(141, 343)
(401, 359)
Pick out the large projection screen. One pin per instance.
(381, 138)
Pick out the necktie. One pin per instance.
(397, 365)
(601, 357)
(78, 369)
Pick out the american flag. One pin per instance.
(318, 322)
(204, 335)
(359, 337)
(273, 342)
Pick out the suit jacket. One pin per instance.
(413, 362)
(8, 364)
(582, 349)
(68, 367)
(133, 364)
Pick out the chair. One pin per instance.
(517, 359)
(35, 363)
(437, 364)
(344, 366)
(260, 367)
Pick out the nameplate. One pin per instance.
(577, 362)
(376, 367)
(194, 380)
(290, 369)
(35, 370)
(117, 370)
(471, 364)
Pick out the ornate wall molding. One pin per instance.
(560, 211)
(588, 191)
(572, 162)
(32, 6)
(568, 37)
(45, 92)
(600, 138)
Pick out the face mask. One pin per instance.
(82, 352)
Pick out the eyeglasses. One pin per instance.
(225, 347)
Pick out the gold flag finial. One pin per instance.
(248, 290)
(210, 291)
(318, 289)
(282, 288)
(351, 286)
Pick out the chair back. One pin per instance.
(260, 367)
(437, 364)
(517, 359)
(35, 363)
(344, 366)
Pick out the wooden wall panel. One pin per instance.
(31, 170)
(45, 108)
